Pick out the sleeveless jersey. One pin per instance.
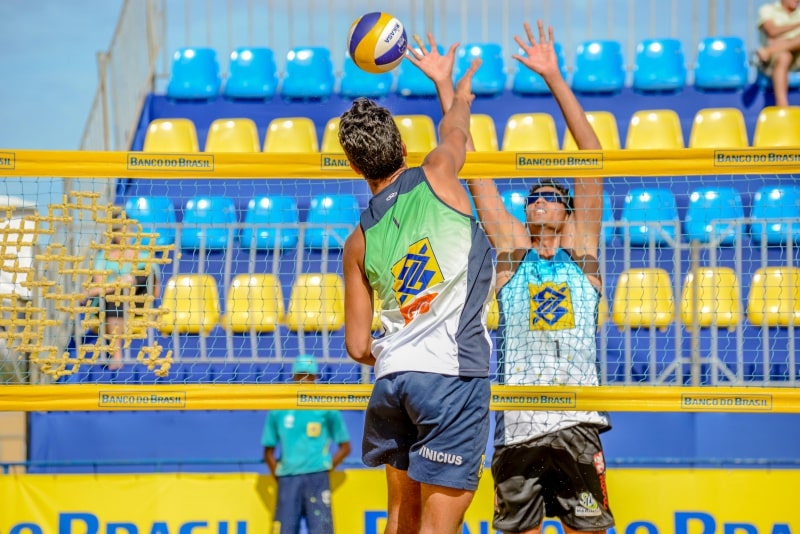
(549, 315)
(433, 269)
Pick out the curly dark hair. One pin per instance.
(370, 139)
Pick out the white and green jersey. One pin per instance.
(549, 319)
(433, 269)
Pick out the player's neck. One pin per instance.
(546, 243)
(376, 186)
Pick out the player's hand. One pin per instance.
(437, 67)
(539, 56)
(464, 85)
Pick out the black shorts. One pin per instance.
(558, 475)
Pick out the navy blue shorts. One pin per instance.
(306, 496)
(435, 427)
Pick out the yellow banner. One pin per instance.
(651, 501)
(50, 163)
(107, 397)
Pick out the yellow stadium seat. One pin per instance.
(777, 126)
(774, 298)
(291, 134)
(718, 128)
(417, 131)
(190, 304)
(530, 131)
(604, 125)
(655, 129)
(233, 135)
(493, 320)
(330, 137)
(377, 304)
(316, 303)
(253, 302)
(717, 298)
(170, 135)
(643, 299)
(484, 134)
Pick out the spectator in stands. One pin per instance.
(549, 463)
(120, 270)
(425, 257)
(779, 35)
(304, 438)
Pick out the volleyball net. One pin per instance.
(234, 264)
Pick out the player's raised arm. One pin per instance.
(540, 57)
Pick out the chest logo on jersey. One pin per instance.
(313, 429)
(413, 274)
(550, 306)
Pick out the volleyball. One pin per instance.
(377, 42)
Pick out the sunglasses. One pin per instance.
(549, 196)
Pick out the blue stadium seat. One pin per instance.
(649, 212)
(342, 212)
(774, 205)
(659, 66)
(515, 201)
(280, 218)
(252, 74)
(708, 204)
(357, 82)
(527, 82)
(721, 64)
(411, 82)
(155, 215)
(490, 79)
(194, 75)
(309, 73)
(206, 222)
(599, 67)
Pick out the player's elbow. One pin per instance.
(359, 349)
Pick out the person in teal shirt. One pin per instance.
(305, 438)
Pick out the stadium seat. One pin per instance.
(777, 127)
(717, 296)
(774, 208)
(280, 218)
(412, 83)
(721, 64)
(316, 303)
(659, 66)
(599, 67)
(707, 204)
(490, 78)
(484, 134)
(650, 213)
(155, 215)
(252, 74)
(718, 128)
(330, 137)
(643, 298)
(493, 319)
(530, 131)
(194, 74)
(527, 82)
(309, 73)
(417, 131)
(655, 129)
(605, 127)
(291, 134)
(515, 201)
(774, 297)
(170, 135)
(208, 222)
(357, 82)
(331, 218)
(254, 303)
(189, 305)
(233, 135)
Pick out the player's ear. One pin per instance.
(405, 149)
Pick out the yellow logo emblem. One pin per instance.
(551, 307)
